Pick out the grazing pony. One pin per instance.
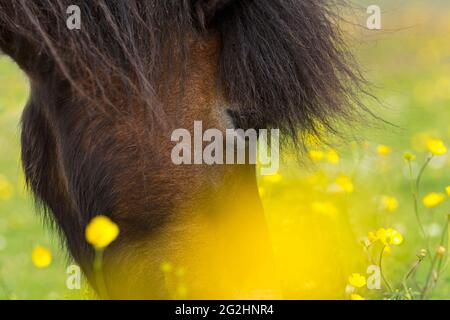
(105, 99)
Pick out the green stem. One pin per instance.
(380, 264)
(422, 170)
(415, 193)
(99, 276)
(428, 286)
(411, 271)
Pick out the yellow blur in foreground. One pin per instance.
(308, 252)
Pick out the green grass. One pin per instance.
(20, 228)
(411, 70)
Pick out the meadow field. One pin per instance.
(377, 197)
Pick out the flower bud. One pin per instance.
(440, 251)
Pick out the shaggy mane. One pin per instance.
(283, 63)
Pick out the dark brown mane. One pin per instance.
(283, 63)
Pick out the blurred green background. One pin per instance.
(408, 63)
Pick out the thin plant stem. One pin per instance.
(380, 264)
(99, 276)
(411, 271)
(428, 286)
(415, 193)
(422, 170)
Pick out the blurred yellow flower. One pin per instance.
(448, 190)
(419, 140)
(274, 178)
(357, 280)
(389, 203)
(436, 147)
(101, 231)
(316, 155)
(409, 156)
(345, 183)
(433, 199)
(388, 236)
(166, 267)
(333, 157)
(41, 257)
(6, 189)
(355, 296)
(384, 150)
(372, 236)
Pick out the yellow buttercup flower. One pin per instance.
(316, 155)
(436, 147)
(6, 189)
(396, 238)
(388, 236)
(408, 156)
(433, 199)
(101, 231)
(333, 157)
(357, 280)
(355, 296)
(389, 203)
(372, 236)
(384, 150)
(41, 257)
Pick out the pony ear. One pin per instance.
(207, 10)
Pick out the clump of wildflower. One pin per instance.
(436, 147)
(433, 199)
(409, 156)
(101, 231)
(41, 257)
(389, 203)
(384, 150)
(357, 280)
